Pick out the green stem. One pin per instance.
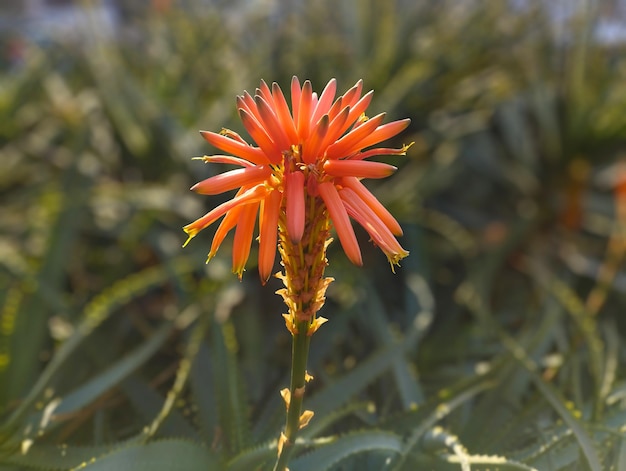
(300, 353)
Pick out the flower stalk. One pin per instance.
(302, 178)
(294, 397)
(304, 263)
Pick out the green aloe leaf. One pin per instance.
(473, 463)
(201, 385)
(254, 457)
(92, 389)
(338, 393)
(149, 402)
(99, 309)
(113, 375)
(558, 402)
(60, 457)
(164, 455)
(408, 387)
(343, 447)
(230, 393)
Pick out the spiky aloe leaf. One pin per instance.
(339, 392)
(471, 462)
(439, 441)
(94, 314)
(74, 401)
(163, 455)
(60, 457)
(254, 458)
(229, 387)
(340, 448)
(441, 410)
(558, 402)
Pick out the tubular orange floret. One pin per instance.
(325, 101)
(224, 159)
(251, 102)
(384, 132)
(374, 226)
(368, 198)
(353, 95)
(341, 221)
(268, 233)
(296, 91)
(229, 221)
(358, 168)
(243, 237)
(335, 109)
(381, 151)
(336, 127)
(351, 142)
(359, 108)
(313, 145)
(233, 135)
(260, 136)
(314, 101)
(265, 92)
(282, 111)
(246, 102)
(247, 152)
(252, 195)
(272, 124)
(294, 202)
(246, 176)
(304, 111)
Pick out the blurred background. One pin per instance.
(513, 201)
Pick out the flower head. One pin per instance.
(315, 151)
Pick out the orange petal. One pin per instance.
(381, 151)
(225, 159)
(268, 233)
(376, 228)
(253, 194)
(355, 185)
(311, 185)
(294, 194)
(247, 103)
(260, 136)
(335, 109)
(353, 95)
(351, 142)
(313, 145)
(243, 237)
(358, 168)
(229, 221)
(359, 108)
(304, 111)
(282, 112)
(296, 92)
(384, 132)
(226, 181)
(265, 92)
(335, 129)
(314, 101)
(233, 135)
(272, 124)
(253, 154)
(341, 221)
(325, 101)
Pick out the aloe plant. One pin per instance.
(499, 342)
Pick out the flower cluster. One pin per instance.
(315, 151)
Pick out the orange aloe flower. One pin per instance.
(316, 149)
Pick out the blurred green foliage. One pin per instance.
(498, 345)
